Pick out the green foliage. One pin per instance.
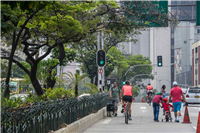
(11, 103)
(138, 60)
(136, 91)
(93, 89)
(70, 55)
(75, 80)
(50, 94)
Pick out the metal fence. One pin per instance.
(49, 115)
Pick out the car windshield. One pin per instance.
(194, 90)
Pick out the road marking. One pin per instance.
(107, 121)
(194, 127)
(143, 107)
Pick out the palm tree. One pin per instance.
(76, 80)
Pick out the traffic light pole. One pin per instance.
(101, 75)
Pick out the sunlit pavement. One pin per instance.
(142, 115)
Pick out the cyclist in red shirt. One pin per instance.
(149, 90)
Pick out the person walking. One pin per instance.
(156, 100)
(163, 92)
(114, 95)
(176, 94)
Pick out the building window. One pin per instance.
(185, 42)
(172, 40)
(195, 71)
(198, 31)
(196, 50)
(195, 82)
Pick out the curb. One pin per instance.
(84, 123)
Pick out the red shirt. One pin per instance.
(127, 90)
(176, 94)
(157, 98)
(149, 87)
(166, 106)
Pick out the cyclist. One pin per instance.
(149, 90)
(127, 92)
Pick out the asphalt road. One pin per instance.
(142, 115)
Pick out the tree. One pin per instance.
(138, 60)
(136, 91)
(39, 25)
(75, 80)
(46, 25)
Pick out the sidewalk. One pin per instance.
(142, 115)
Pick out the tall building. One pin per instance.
(151, 43)
(195, 64)
(182, 38)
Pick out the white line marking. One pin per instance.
(194, 127)
(143, 107)
(107, 121)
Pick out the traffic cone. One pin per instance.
(186, 116)
(198, 124)
(172, 109)
(143, 101)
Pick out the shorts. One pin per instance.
(177, 106)
(127, 98)
(149, 93)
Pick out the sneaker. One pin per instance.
(177, 120)
(122, 111)
(130, 118)
(157, 120)
(115, 114)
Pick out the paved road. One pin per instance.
(143, 122)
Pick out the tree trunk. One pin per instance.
(7, 91)
(37, 86)
(96, 79)
(51, 81)
(34, 80)
(92, 79)
(76, 91)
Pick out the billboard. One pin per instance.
(177, 62)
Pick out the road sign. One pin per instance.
(100, 71)
(198, 13)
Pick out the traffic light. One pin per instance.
(159, 61)
(101, 58)
(124, 80)
(21, 88)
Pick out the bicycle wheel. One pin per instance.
(126, 115)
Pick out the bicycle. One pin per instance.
(167, 116)
(126, 112)
(150, 99)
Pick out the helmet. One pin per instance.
(149, 84)
(165, 99)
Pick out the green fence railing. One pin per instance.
(49, 115)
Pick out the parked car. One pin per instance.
(193, 95)
(23, 96)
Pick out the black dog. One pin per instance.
(110, 108)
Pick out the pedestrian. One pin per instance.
(163, 91)
(156, 105)
(164, 95)
(114, 95)
(176, 94)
